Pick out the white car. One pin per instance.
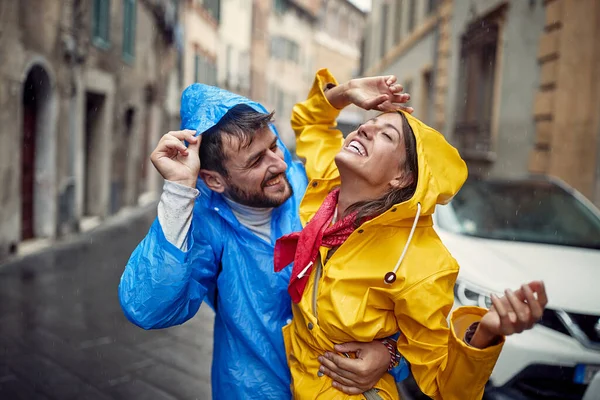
(507, 232)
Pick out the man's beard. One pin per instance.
(258, 199)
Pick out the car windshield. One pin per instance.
(524, 211)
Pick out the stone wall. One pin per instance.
(80, 169)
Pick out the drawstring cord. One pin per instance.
(390, 277)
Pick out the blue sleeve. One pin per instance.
(401, 371)
(163, 286)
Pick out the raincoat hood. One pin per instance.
(441, 174)
(202, 106)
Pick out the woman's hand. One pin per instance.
(356, 375)
(514, 312)
(374, 93)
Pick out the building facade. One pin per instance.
(338, 41)
(83, 94)
(290, 66)
(87, 88)
(235, 40)
(201, 31)
(291, 40)
(486, 74)
(259, 50)
(566, 105)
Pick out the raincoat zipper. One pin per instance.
(318, 272)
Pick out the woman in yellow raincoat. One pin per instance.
(369, 264)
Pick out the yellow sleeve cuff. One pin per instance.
(460, 321)
(321, 108)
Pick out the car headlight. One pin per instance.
(467, 294)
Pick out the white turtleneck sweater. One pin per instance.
(176, 208)
(257, 220)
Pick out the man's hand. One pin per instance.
(356, 375)
(513, 313)
(174, 161)
(375, 93)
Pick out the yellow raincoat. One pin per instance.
(347, 300)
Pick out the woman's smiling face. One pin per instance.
(375, 152)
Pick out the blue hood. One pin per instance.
(203, 106)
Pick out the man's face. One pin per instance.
(256, 172)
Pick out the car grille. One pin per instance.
(540, 382)
(550, 320)
(589, 324)
(583, 327)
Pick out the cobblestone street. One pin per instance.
(63, 335)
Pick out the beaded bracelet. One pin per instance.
(394, 356)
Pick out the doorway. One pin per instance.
(93, 146)
(37, 163)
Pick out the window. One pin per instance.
(385, 9)
(205, 70)
(272, 94)
(426, 96)
(534, 211)
(129, 27)
(478, 55)
(228, 65)
(277, 47)
(344, 28)
(335, 22)
(211, 73)
(398, 21)
(293, 51)
(412, 11)
(101, 23)
(407, 86)
(280, 100)
(244, 65)
(285, 49)
(214, 8)
(431, 6)
(279, 6)
(197, 67)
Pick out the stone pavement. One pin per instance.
(63, 335)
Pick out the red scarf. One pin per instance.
(303, 247)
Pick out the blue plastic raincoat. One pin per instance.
(163, 286)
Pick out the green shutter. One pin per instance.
(214, 8)
(101, 23)
(96, 19)
(129, 29)
(196, 68)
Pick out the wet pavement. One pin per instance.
(63, 335)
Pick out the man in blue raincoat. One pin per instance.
(213, 241)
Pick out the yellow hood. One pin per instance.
(442, 172)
